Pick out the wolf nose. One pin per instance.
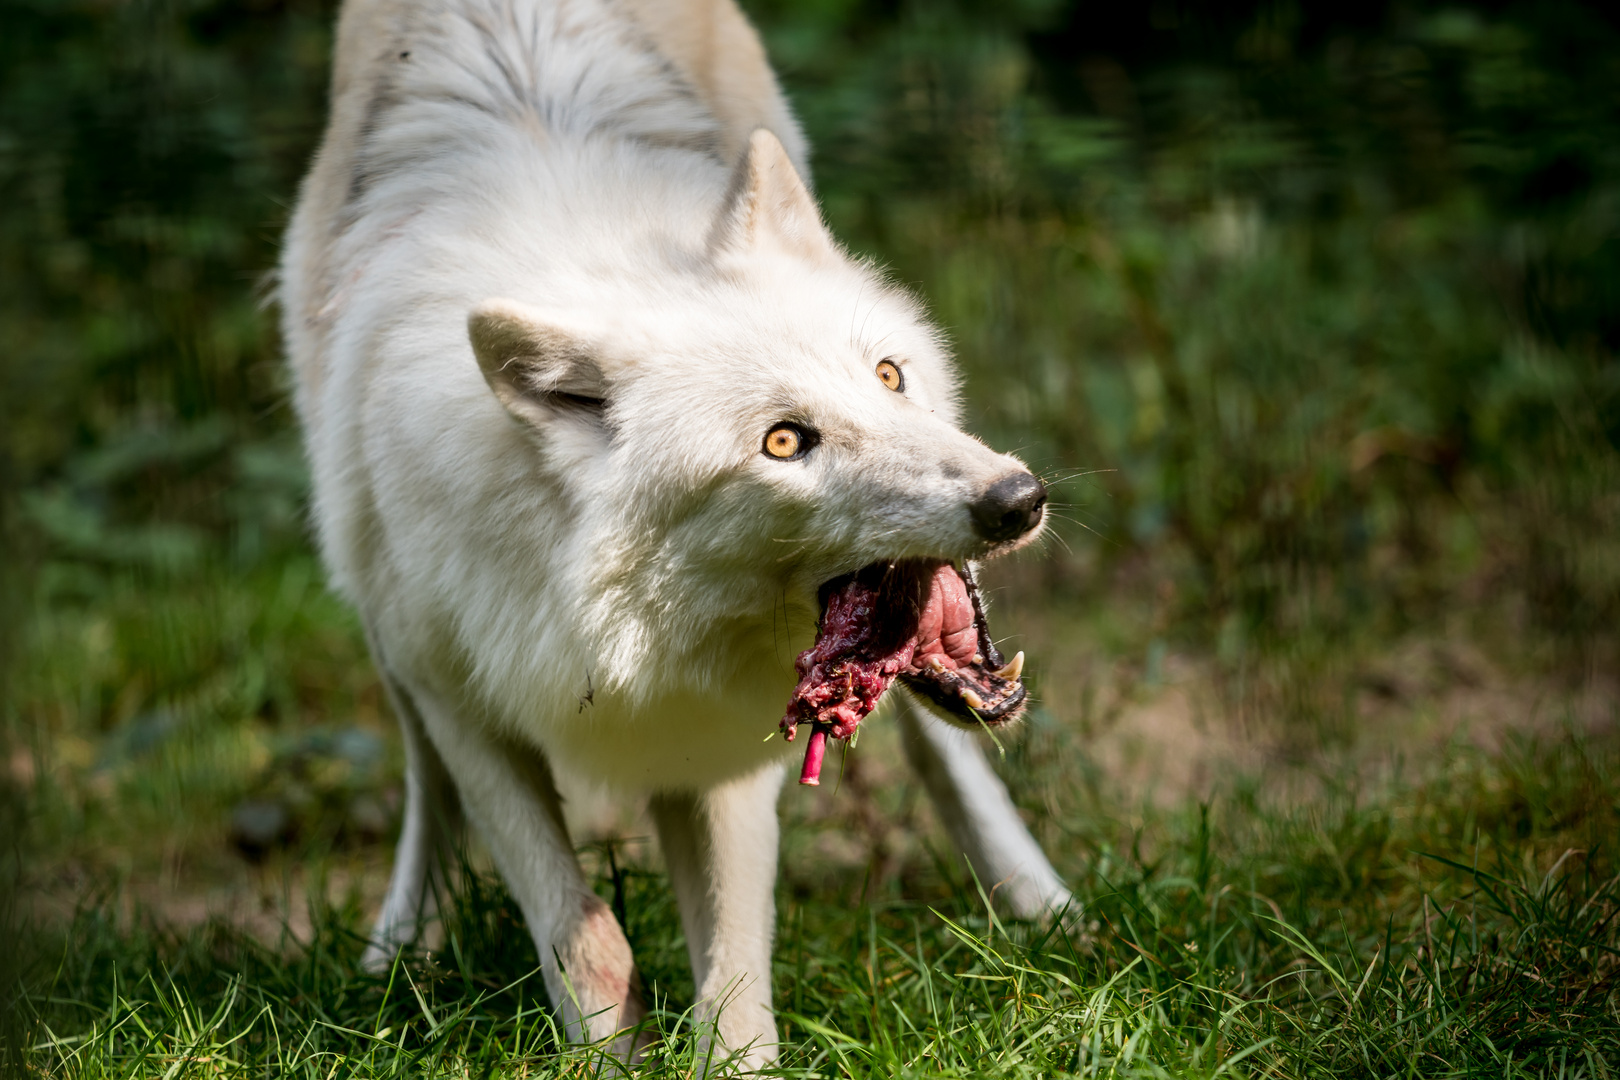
(1008, 508)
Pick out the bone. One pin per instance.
(810, 775)
(1013, 670)
(974, 701)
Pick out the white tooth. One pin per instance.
(937, 663)
(978, 658)
(1012, 670)
(974, 701)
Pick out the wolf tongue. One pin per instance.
(868, 636)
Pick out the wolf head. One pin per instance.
(730, 436)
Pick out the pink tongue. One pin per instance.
(948, 606)
(870, 633)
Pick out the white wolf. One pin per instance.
(598, 414)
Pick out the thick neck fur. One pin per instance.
(542, 150)
(543, 155)
(475, 75)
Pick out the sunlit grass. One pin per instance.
(1461, 923)
(1449, 916)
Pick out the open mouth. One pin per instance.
(917, 621)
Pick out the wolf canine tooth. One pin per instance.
(1014, 668)
(974, 701)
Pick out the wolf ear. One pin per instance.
(535, 367)
(769, 206)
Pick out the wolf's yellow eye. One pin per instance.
(891, 376)
(783, 442)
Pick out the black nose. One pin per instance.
(1008, 508)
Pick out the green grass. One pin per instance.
(1457, 923)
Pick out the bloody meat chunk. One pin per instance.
(919, 621)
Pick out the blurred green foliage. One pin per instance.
(1311, 316)
(147, 153)
(1322, 302)
(1333, 294)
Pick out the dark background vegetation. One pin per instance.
(1310, 312)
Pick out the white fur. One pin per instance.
(618, 596)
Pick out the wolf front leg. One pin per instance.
(979, 814)
(432, 821)
(720, 846)
(509, 796)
